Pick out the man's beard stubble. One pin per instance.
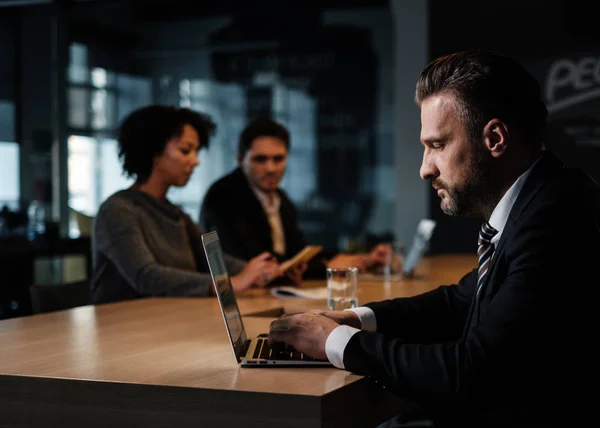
(469, 199)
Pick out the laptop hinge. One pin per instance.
(244, 349)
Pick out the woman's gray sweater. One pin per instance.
(144, 247)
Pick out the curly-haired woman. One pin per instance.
(142, 244)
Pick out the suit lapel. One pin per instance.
(255, 210)
(547, 167)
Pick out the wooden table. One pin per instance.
(167, 362)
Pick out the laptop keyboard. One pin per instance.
(278, 351)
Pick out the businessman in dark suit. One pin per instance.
(508, 345)
(252, 214)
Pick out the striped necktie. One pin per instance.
(485, 249)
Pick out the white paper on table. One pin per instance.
(290, 292)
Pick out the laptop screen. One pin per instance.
(225, 293)
(419, 245)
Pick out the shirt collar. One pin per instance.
(270, 202)
(501, 212)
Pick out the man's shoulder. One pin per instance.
(569, 195)
(231, 187)
(573, 184)
(552, 182)
(230, 182)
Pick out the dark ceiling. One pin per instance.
(174, 10)
(154, 10)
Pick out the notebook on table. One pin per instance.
(248, 351)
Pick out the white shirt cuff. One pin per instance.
(336, 344)
(367, 318)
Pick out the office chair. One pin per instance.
(85, 223)
(57, 297)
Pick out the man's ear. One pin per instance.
(495, 137)
(240, 158)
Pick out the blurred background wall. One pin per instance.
(339, 74)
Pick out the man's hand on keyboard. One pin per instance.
(341, 317)
(306, 332)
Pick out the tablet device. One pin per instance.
(303, 256)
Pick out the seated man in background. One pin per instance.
(252, 214)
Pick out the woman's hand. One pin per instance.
(259, 271)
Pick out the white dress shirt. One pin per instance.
(338, 339)
(271, 202)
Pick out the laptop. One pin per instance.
(254, 351)
(421, 240)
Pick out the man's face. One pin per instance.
(459, 169)
(264, 163)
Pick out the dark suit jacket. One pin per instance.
(231, 207)
(516, 355)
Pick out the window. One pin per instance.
(9, 175)
(297, 111)
(97, 100)
(94, 173)
(226, 105)
(9, 158)
(92, 94)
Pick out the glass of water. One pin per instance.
(342, 288)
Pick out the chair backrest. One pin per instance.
(85, 223)
(57, 297)
(17, 266)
